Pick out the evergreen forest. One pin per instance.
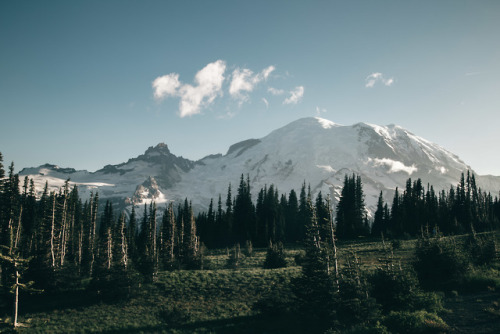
(277, 263)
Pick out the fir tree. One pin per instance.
(168, 237)
(244, 212)
(292, 231)
(132, 237)
(351, 215)
(379, 223)
(315, 287)
(227, 234)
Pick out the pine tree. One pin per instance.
(132, 237)
(302, 214)
(168, 237)
(351, 215)
(219, 224)
(92, 236)
(207, 230)
(228, 233)
(244, 212)
(379, 223)
(395, 223)
(192, 258)
(323, 217)
(2, 170)
(120, 244)
(105, 250)
(315, 287)
(291, 217)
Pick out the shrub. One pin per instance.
(356, 306)
(316, 297)
(393, 289)
(482, 248)
(440, 264)
(415, 322)
(275, 257)
(398, 289)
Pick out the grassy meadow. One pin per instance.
(223, 298)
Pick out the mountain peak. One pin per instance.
(313, 149)
(160, 149)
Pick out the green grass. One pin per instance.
(183, 301)
(213, 300)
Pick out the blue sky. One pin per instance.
(89, 83)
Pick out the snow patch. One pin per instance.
(442, 170)
(326, 124)
(394, 166)
(326, 168)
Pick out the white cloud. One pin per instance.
(267, 71)
(208, 86)
(295, 95)
(244, 80)
(275, 91)
(373, 78)
(389, 82)
(394, 166)
(265, 102)
(166, 85)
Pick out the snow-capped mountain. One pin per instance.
(313, 150)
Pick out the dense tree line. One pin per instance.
(273, 218)
(463, 209)
(62, 234)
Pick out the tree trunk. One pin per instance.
(52, 233)
(16, 298)
(334, 246)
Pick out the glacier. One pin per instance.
(312, 150)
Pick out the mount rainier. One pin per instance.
(314, 150)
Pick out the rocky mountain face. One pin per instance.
(312, 150)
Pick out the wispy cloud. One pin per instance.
(295, 95)
(275, 91)
(265, 102)
(208, 86)
(377, 77)
(469, 74)
(210, 82)
(244, 80)
(320, 111)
